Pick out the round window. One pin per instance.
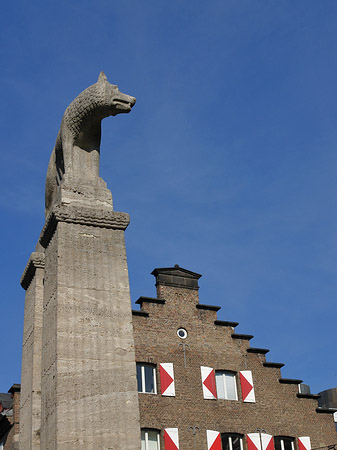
(182, 333)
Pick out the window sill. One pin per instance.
(148, 393)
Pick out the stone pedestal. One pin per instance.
(89, 396)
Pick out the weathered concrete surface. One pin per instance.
(89, 389)
(30, 409)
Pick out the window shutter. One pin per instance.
(208, 382)
(213, 440)
(171, 439)
(253, 440)
(247, 386)
(167, 379)
(267, 442)
(304, 443)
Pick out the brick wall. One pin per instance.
(278, 409)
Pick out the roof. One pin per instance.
(176, 271)
(176, 276)
(6, 401)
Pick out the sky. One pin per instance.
(227, 164)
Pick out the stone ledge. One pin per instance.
(35, 261)
(142, 300)
(326, 410)
(289, 381)
(135, 312)
(225, 323)
(262, 351)
(244, 337)
(311, 396)
(273, 364)
(208, 307)
(83, 215)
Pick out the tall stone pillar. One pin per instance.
(30, 399)
(79, 387)
(89, 392)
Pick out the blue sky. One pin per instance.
(227, 164)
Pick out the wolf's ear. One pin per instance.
(102, 77)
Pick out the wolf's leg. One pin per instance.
(50, 183)
(67, 145)
(59, 159)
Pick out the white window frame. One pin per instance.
(230, 436)
(281, 438)
(142, 373)
(224, 373)
(146, 437)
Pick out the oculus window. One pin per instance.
(182, 333)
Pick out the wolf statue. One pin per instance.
(74, 162)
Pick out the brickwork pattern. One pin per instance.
(277, 410)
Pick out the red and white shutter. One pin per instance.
(247, 386)
(213, 440)
(267, 442)
(208, 382)
(304, 443)
(171, 439)
(254, 441)
(167, 379)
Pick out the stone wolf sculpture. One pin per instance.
(75, 157)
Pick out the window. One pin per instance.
(146, 378)
(182, 333)
(231, 441)
(284, 443)
(150, 439)
(226, 385)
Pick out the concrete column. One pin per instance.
(89, 388)
(30, 401)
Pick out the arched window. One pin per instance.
(284, 443)
(150, 439)
(231, 441)
(146, 378)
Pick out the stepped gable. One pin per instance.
(190, 354)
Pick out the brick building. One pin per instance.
(201, 386)
(9, 418)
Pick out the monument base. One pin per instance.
(89, 396)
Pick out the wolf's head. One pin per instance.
(116, 101)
